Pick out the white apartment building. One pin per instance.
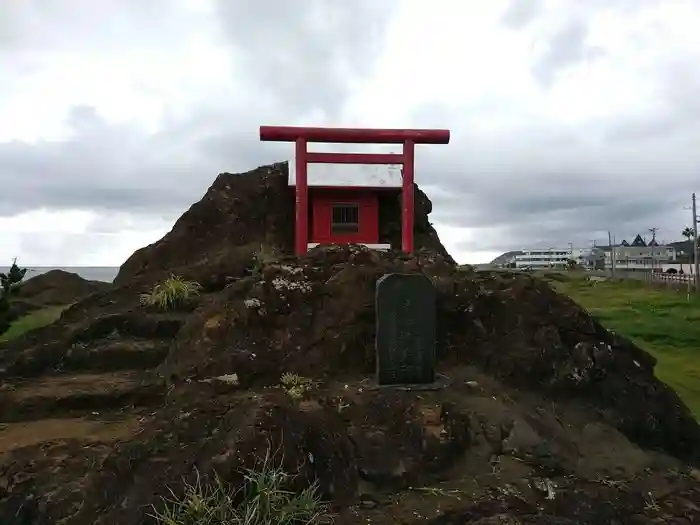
(543, 258)
(643, 258)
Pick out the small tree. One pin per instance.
(8, 281)
(688, 233)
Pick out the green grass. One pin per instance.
(32, 321)
(662, 322)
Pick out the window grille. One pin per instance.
(345, 218)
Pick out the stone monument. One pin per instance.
(405, 342)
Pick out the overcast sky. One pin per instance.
(569, 118)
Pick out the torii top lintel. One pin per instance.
(354, 135)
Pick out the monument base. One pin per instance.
(440, 382)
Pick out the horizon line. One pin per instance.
(62, 266)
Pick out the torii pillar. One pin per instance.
(301, 136)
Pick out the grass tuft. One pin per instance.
(296, 386)
(171, 293)
(262, 500)
(265, 255)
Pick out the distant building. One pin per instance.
(638, 242)
(640, 255)
(645, 258)
(543, 258)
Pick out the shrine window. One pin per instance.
(345, 218)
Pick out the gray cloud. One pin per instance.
(531, 183)
(567, 47)
(120, 168)
(305, 57)
(301, 57)
(38, 25)
(544, 187)
(519, 13)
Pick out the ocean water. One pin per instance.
(91, 273)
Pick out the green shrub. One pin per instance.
(8, 282)
(262, 500)
(11, 279)
(171, 293)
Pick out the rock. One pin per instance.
(223, 383)
(228, 379)
(521, 438)
(54, 288)
(368, 503)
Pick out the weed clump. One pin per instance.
(296, 386)
(171, 293)
(262, 257)
(262, 500)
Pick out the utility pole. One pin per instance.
(592, 241)
(652, 242)
(695, 245)
(653, 234)
(612, 254)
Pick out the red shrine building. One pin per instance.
(339, 195)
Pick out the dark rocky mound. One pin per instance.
(55, 288)
(550, 419)
(239, 212)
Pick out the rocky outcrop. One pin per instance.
(241, 212)
(53, 288)
(548, 419)
(221, 232)
(58, 287)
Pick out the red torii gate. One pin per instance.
(303, 135)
